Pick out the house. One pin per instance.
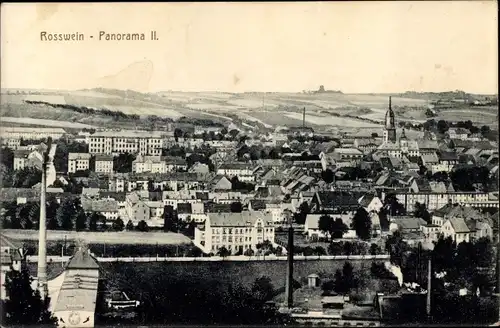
(220, 182)
(347, 154)
(446, 161)
(243, 171)
(74, 303)
(430, 160)
(136, 207)
(370, 202)
(406, 224)
(458, 229)
(199, 168)
(457, 133)
(153, 164)
(103, 163)
(311, 226)
(451, 210)
(78, 162)
(431, 231)
(106, 207)
(335, 202)
(11, 256)
(237, 232)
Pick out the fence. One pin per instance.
(34, 258)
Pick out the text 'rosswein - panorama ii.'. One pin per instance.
(101, 36)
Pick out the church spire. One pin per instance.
(390, 127)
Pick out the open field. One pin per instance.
(270, 108)
(123, 237)
(227, 271)
(43, 122)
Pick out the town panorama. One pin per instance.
(118, 209)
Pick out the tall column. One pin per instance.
(42, 237)
(289, 273)
(429, 287)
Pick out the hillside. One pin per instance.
(324, 110)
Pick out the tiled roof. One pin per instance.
(184, 208)
(257, 204)
(409, 223)
(9, 242)
(103, 157)
(82, 260)
(459, 225)
(238, 219)
(77, 156)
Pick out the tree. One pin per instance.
(339, 228)
(375, 249)
(325, 224)
(65, 214)
(442, 126)
(249, 252)
(118, 225)
(396, 247)
(327, 176)
(130, 226)
(236, 207)
(348, 276)
(142, 226)
(81, 221)
(223, 252)
(178, 133)
(123, 162)
(361, 223)
(263, 289)
(374, 135)
(170, 220)
(24, 306)
(421, 212)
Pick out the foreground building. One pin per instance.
(237, 232)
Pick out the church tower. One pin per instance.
(389, 126)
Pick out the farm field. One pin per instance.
(123, 237)
(43, 122)
(480, 117)
(332, 120)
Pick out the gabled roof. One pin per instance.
(459, 225)
(239, 219)
(409, 223)
(82, 260)
(9, 242)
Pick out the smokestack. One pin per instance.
(390, 105)
(42, 231)
(304, 118)
(429, 286)
(289, 273)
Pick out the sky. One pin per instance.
(355, 47)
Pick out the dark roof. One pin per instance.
(82, 260)
(258, 204)
(118, 196)
(104, 157)
(184, 208)
(332, 199)
(386, 162)
(423, 185)
(447, 156)
(217, 207)
(202, 195)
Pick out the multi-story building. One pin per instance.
(158, 164)
(12, 135)
(11, 255)
(243, 171)
(123, 141)
(103, 163)
(78, 162)
(237, 232)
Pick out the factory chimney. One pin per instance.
(429, 286)
(42, 235)
(289, 272)
(390, 102)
